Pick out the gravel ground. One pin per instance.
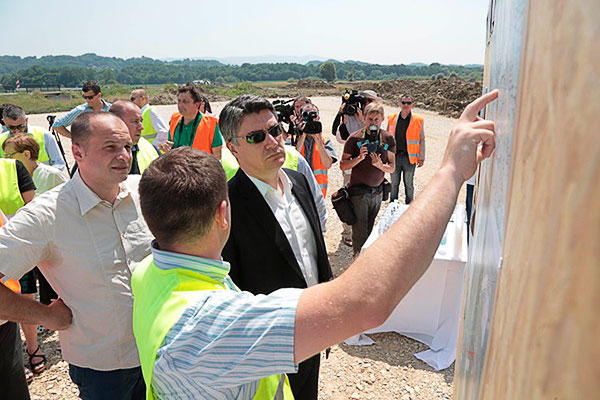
(385, 370)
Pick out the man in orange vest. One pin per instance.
(316, 149)
(408, 130)
(189, 127)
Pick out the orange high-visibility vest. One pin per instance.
(204, 134)
(319, 169)
(413, 135)
(12, 284)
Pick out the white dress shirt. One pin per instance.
(161, 128)
(86, 248)
(294, 224)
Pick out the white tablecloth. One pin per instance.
(430, 311)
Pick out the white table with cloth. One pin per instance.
(430, 311)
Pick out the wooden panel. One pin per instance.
(545, 333)
(503, 58)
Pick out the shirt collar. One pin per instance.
(88, 199)
(265, 188)
(105, 106)
(214, 269)
(144, 108)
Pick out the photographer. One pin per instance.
(295, 118)
(369, 153)
(347, 121)
(316, 149)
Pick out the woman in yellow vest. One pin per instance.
(16, 190)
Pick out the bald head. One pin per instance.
(139, 97)
(82, 127)
(129, 113)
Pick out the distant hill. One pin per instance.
(73, 70)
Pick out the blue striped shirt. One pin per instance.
(226, 340)
(68, 118)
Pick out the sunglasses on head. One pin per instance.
(88, 97)
(406, 103)
(256, 137)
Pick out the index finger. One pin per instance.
(471, 110)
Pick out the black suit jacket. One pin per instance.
(260, 255)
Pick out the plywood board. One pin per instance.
(506, 23)
(545, 333)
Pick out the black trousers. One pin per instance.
(14, 385)
(305, 383)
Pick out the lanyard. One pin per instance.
(180, 129)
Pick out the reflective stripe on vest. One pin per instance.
(148, 131)
(319, 169)
(160, 298)
(38, 135)
(413, 135)
(10, 195)
(231, 166)
(205, 131)
(145, 155)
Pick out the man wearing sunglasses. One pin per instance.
(15, 121)
(276, 240)
(408, 129)
(93, 102)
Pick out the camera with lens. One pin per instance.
(352, 102)
(311, 127)
(284, 110)
(372, 140)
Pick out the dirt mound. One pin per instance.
(446, 96)
(310, 84)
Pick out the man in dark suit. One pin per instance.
(275, 240)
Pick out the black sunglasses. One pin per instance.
(14, 128)
(256, 137)
(406, 103)
(88, 97)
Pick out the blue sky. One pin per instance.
(386, 32)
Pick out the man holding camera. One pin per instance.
(317, 151)
(93, 102)
(369, 153)
(349, 120)
(408, 131)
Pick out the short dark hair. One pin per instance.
(405, 95)
(233, 112)
(180, 193)
(22, 142)
(81, 129)
(192, 90)
(91, 85)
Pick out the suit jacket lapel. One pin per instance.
(257, 207)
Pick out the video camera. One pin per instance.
(372, 139)
(353, 101)
(284, 110)
(311, 127)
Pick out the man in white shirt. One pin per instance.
(155, 130)
(85, 236)
(276, 238)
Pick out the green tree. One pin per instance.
(327, 71)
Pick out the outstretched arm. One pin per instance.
(363, 297)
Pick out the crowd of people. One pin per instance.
(187, 260)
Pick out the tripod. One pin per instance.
(51, 119)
